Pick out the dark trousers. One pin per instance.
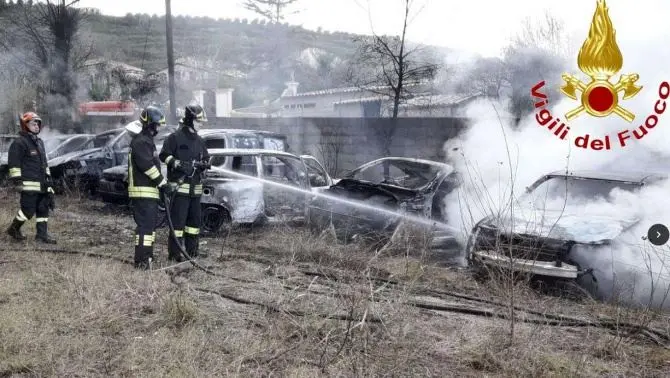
(145, 213)
(34, 204)
(186, 218)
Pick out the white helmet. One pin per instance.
(134, 127)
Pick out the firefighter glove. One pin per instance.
(166, 192)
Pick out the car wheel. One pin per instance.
(214, 219)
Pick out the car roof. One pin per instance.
(239, 131)
(406, 159)
(630, 176)
(248, 151)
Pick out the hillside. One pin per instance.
(267, 53)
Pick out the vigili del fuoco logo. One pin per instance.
(600, 59)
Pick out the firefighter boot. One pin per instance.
(143, 258)
(14, 230)
(193, 247)
(42, 235)
(174, 253)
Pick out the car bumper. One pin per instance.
(540, 268)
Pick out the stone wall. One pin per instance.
(345, 143)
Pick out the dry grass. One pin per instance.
(267, 313)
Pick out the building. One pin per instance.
(335, 102)
(442, 105)
(356, 102)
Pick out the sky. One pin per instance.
(477, 26)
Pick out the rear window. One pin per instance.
(215, 143)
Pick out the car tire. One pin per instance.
(215, 219)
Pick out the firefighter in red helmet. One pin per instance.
(29, 172)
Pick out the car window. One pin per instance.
(217, 160)
(218, 142)
(246, 142)
(102, 140)
(284, 170)
(245, 164)
(317, 175)
(276, 144)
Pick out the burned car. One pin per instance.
(113, 184)
(84, 166)
(66, 144)
(372, 200)
(246, 186)
(551, 221)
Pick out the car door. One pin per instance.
(286, 186)
(319, 179)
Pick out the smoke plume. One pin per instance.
(497, 162)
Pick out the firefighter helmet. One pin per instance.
(27, 117)
(151, 115)
(194, 113)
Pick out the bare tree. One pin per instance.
(273, 10)
(540, 51)
(391, 63)
(44, 37)
(392, 68)
(487, 76)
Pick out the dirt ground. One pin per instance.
(280, 301)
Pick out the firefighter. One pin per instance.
(28, 169)
(185, 154)
(146, 184)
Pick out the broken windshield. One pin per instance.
(71, 145)
(557, 192)
(401, 173)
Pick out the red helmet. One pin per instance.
(27, 117)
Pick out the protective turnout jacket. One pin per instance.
(144, 175)
(185, 147)
(27, 162)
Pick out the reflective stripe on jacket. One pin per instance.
(144, 175)
(27, 163)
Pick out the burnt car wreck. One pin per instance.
(255, 186)
(553, 225)
(372, 201)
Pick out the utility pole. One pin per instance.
(172, 117)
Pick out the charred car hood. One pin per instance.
(353, 189)
(572, 226)
(76, 155)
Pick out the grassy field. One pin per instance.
(282, 302)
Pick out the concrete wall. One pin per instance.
(345, 143)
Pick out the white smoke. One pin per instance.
(498, 162)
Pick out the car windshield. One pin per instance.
(68, 146)
(402, 173)
(559, 191)
(51, 144)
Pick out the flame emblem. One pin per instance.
(600, 59)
